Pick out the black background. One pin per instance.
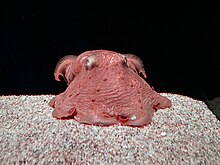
(177, 41)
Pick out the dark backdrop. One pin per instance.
(178, 42)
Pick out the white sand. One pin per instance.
(186, 133)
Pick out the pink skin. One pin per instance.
(68, 64)
(85, 75)
(63, 68)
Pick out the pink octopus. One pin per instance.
(106, 88)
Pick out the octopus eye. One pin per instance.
(90, 62)
(124, 60)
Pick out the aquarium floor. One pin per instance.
(186, 133)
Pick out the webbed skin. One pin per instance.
(105, 88)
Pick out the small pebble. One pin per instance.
(133, 117)
(163, 133)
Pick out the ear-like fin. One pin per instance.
(63, 68)
(136, 64)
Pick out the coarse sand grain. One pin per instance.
(186, 133)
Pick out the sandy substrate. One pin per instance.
(186, 133)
